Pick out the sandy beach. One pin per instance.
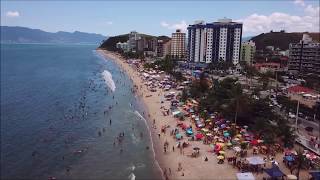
(192, 168)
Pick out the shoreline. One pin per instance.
(154, 141)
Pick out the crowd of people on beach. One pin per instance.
(216, 134)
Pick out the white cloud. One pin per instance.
(299, 2)
(181, 25)
(12, 14)
(258, 23)
(109, 22)
(164, 24)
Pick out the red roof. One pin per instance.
(298, 89)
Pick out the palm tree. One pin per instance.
(300, 162)
(236, 96)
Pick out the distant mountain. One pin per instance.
(10, 34)
(280, 40)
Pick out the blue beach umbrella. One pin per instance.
(289, 158)
(178, 136)
(226, 134)
(189, 131)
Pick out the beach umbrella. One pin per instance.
(220, 144)
(222, 152)
(223, 126)
(226, 134)
(245, 126)
(189, 131)
(209, 134)
(236, 139)
(229, 144)
(220, 157)
(205, 130)
(178, 136)
(238, 135)
(199, 136)
(221, 140)
(254, 142)
(260, 141)
(289, 158)
(237, 148)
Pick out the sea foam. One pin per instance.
(108, 79)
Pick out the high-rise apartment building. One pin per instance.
(214, 41)
(248, 50)
(167, 48)
(304, 57)
(178, 41)
(133, 37)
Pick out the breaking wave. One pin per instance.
(108, 79)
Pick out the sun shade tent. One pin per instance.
(274, 171)
(255, 160)
(245, 176)
(315, 174)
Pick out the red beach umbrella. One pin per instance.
(254, 142)
(199, 136)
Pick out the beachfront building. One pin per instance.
(248, 50)
(123, 45)
(167, 48)
(178, 41)
(162, 47)
(304, 57)
(147, 45)
(214, 41)
(133, 37)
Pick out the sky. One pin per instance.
(159, 17)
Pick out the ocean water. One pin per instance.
(56, 106)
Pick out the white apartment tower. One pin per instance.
(214, 41)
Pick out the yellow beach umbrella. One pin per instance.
(236, 139)
(205, 130)
(220, 157)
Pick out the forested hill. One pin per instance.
(280, 40)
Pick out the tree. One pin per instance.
(237, 96)
(300, 162)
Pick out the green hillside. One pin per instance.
(110, 43)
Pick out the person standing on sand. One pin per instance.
(179, 166)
